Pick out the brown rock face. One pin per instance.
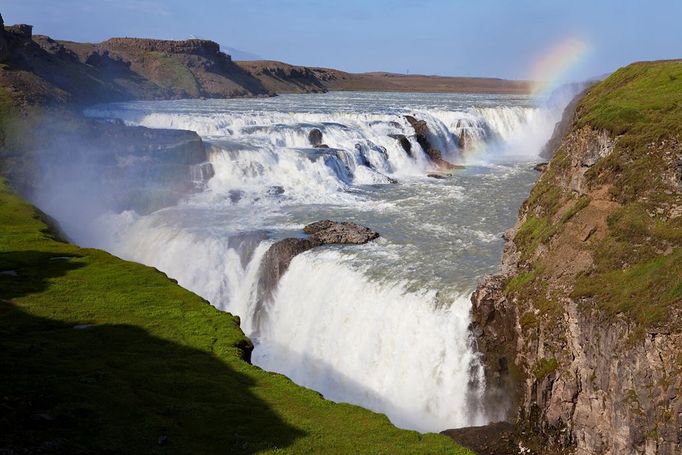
(494, 327)
(582, 381)
(422, 133)
(44, 71)
(332, 232)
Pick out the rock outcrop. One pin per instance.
(278, 257)
(121, 167)
(583, 328)
(404, 143)
(315, 138)
(422, 134)
(329, 232)
(43, 71)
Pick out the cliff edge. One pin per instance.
(583, 328)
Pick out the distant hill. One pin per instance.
(282, 78)
(37, 69)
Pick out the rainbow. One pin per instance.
(556, 62)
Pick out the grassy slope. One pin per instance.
(156, 362)
(637, 270)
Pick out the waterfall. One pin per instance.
(383, 325)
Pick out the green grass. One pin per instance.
(644, 291)
(643, 98)
(637, 265)
(174, 74)
(153, 361)
(545, 367)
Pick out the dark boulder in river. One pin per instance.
(404, 143)
(315, 137)
(326, 232)
(422, 133)
(333, 232)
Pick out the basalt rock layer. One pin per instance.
(583, 327)
(423, 137)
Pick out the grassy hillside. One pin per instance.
(630, 263)
(107, 356)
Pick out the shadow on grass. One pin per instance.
(28, 272)
(72, 388)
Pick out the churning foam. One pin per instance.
(373, 343)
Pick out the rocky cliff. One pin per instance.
(38, 70)
(583, 327)
(60, 155)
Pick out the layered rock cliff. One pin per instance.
(38, 70)
(582, 331)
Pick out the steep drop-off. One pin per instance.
(583, 328)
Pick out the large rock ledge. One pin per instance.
(106, 162)
(280, 254)
(422, 134)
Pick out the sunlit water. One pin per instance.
(382, 325)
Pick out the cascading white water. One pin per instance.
(384, 325)
(390, 349)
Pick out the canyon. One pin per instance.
(577, 337)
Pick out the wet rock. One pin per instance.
(437, 176)
(465, 139)
(275, 190)
(540, 167)
(315, 137)
(235, 196)
(493, 325)
(322, 146)
(280, 254)
(404, 143)
(333, 232)
(421, 131)
(275, 262)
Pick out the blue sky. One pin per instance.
(498, 38)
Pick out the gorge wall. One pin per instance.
(583, 327)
